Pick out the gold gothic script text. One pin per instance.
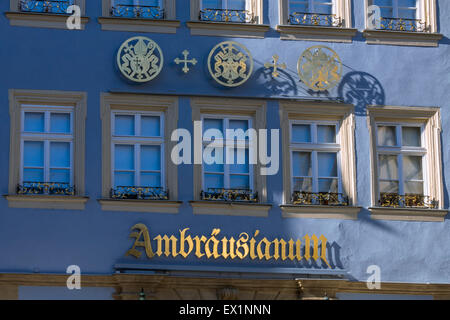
(214, 247)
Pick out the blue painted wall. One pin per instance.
(47, 241)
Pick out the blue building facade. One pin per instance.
(356, 119)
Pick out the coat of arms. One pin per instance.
(320, 68)
(140, 59)
(230, 63)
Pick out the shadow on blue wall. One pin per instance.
(284, 84)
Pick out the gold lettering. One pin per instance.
(298, 253)
(315, 254)
(183, 240)
(266, 251)
(225, 253)
(323, 251)
(143, 231)
(215, 252)
(276, 254)
(198, 248)
(252, 246)
(242, 243)
(167, 245)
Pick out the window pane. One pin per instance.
(124, 157)
(326, 134)
(387, 12)
(406, 3)
(328, 185)
(236, 4)
(34, 122)
(59, 154)
(212, 4)
(240, 168)
(387, 136)
(124, 125)
(383, 2)
(301, 133)
(214, 167)
(301, 164)
(324, 9)
(239, 182)
(60, 175)
(412, 168)
(388, 186)
(150, 179)
(297, 6)
(33, 154)
(388, 167)
(150, 126)
(213, 181)
(303, 184)
(60, 122)
(413, 187)
(150, 158)
(411, 136)
(33, 175)
(238, 124)
(327, 164)
(407, 13)
(124, 179)
(212, 124)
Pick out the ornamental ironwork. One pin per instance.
(234, 195)
(319, 198)
(46, 188)
(45, 6)
(400, 24)
(139, 193)
(140, 59)
(137, 11)
(315, 19)
(396, 200)
(320, 68)
(226, 15)
(230, 63)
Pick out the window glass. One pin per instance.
(124, 157)
(150, 126)
(124, 125)
(387, 136)
(326, 134)
(302, 164)
(60, 122)
(411, 136)
(151, 158)
(301, 133)
(34, 122)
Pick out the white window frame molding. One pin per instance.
(426, 12)
(43, 20)
(228, 29)
(429, 118)
(127, 102)
(77, 100)
(321, 112)
(342, 9)
(167, 25)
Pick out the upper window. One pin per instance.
(400, 15)
(314, 13)
(147, 9)
(227, 11)
(45, 6)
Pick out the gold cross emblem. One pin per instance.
(275, 65)
(193, 61)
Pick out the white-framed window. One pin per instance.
(234, 174)
(46, 144)
(312, 6)
(315, 157)
(137, 148)
(405, 9)
(226, 4)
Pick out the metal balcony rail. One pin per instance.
(136, 11)
(226, 15)
(319, 198)
(395, 200)
(400, 24)
(45, 6)
(315, 19)
(234, 195)
(139, 193)
(46, 188)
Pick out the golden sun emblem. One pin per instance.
(320, 68)
(230, 63)
(140, 59)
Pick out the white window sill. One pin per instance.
(227, 29)
(138, 25)
(320, 212)
(316, 33)
(41, 20)
(408, 214)
(230, 208)
(47, 202)
(402, 38)
(127, 205)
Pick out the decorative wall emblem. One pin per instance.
(320, 68)
(193, 61)
(140, 59)
(275, 65)
(230, 63)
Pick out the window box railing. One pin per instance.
(45, 6)
(46, 188)
(226, 15)
(140, 193)
(400, 24)
(395, 200)
(233, 195)
(315, 19)
(136, 11)
(319, 198)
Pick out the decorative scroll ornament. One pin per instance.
(275, 66)
(193, 61)
(140, 59)
(230, 63)
(320, 68)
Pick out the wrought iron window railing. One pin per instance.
(45, 6)
(234, 195)
(319, 198)
(315, 19)
(400, 24)
(395, 200)
(137, 11)
(46, 188)
(140, 193)
(226, 15)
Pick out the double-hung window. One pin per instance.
(313, 12)
(137, 144)
(147, 9)
(227, 11)
(400, 15)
